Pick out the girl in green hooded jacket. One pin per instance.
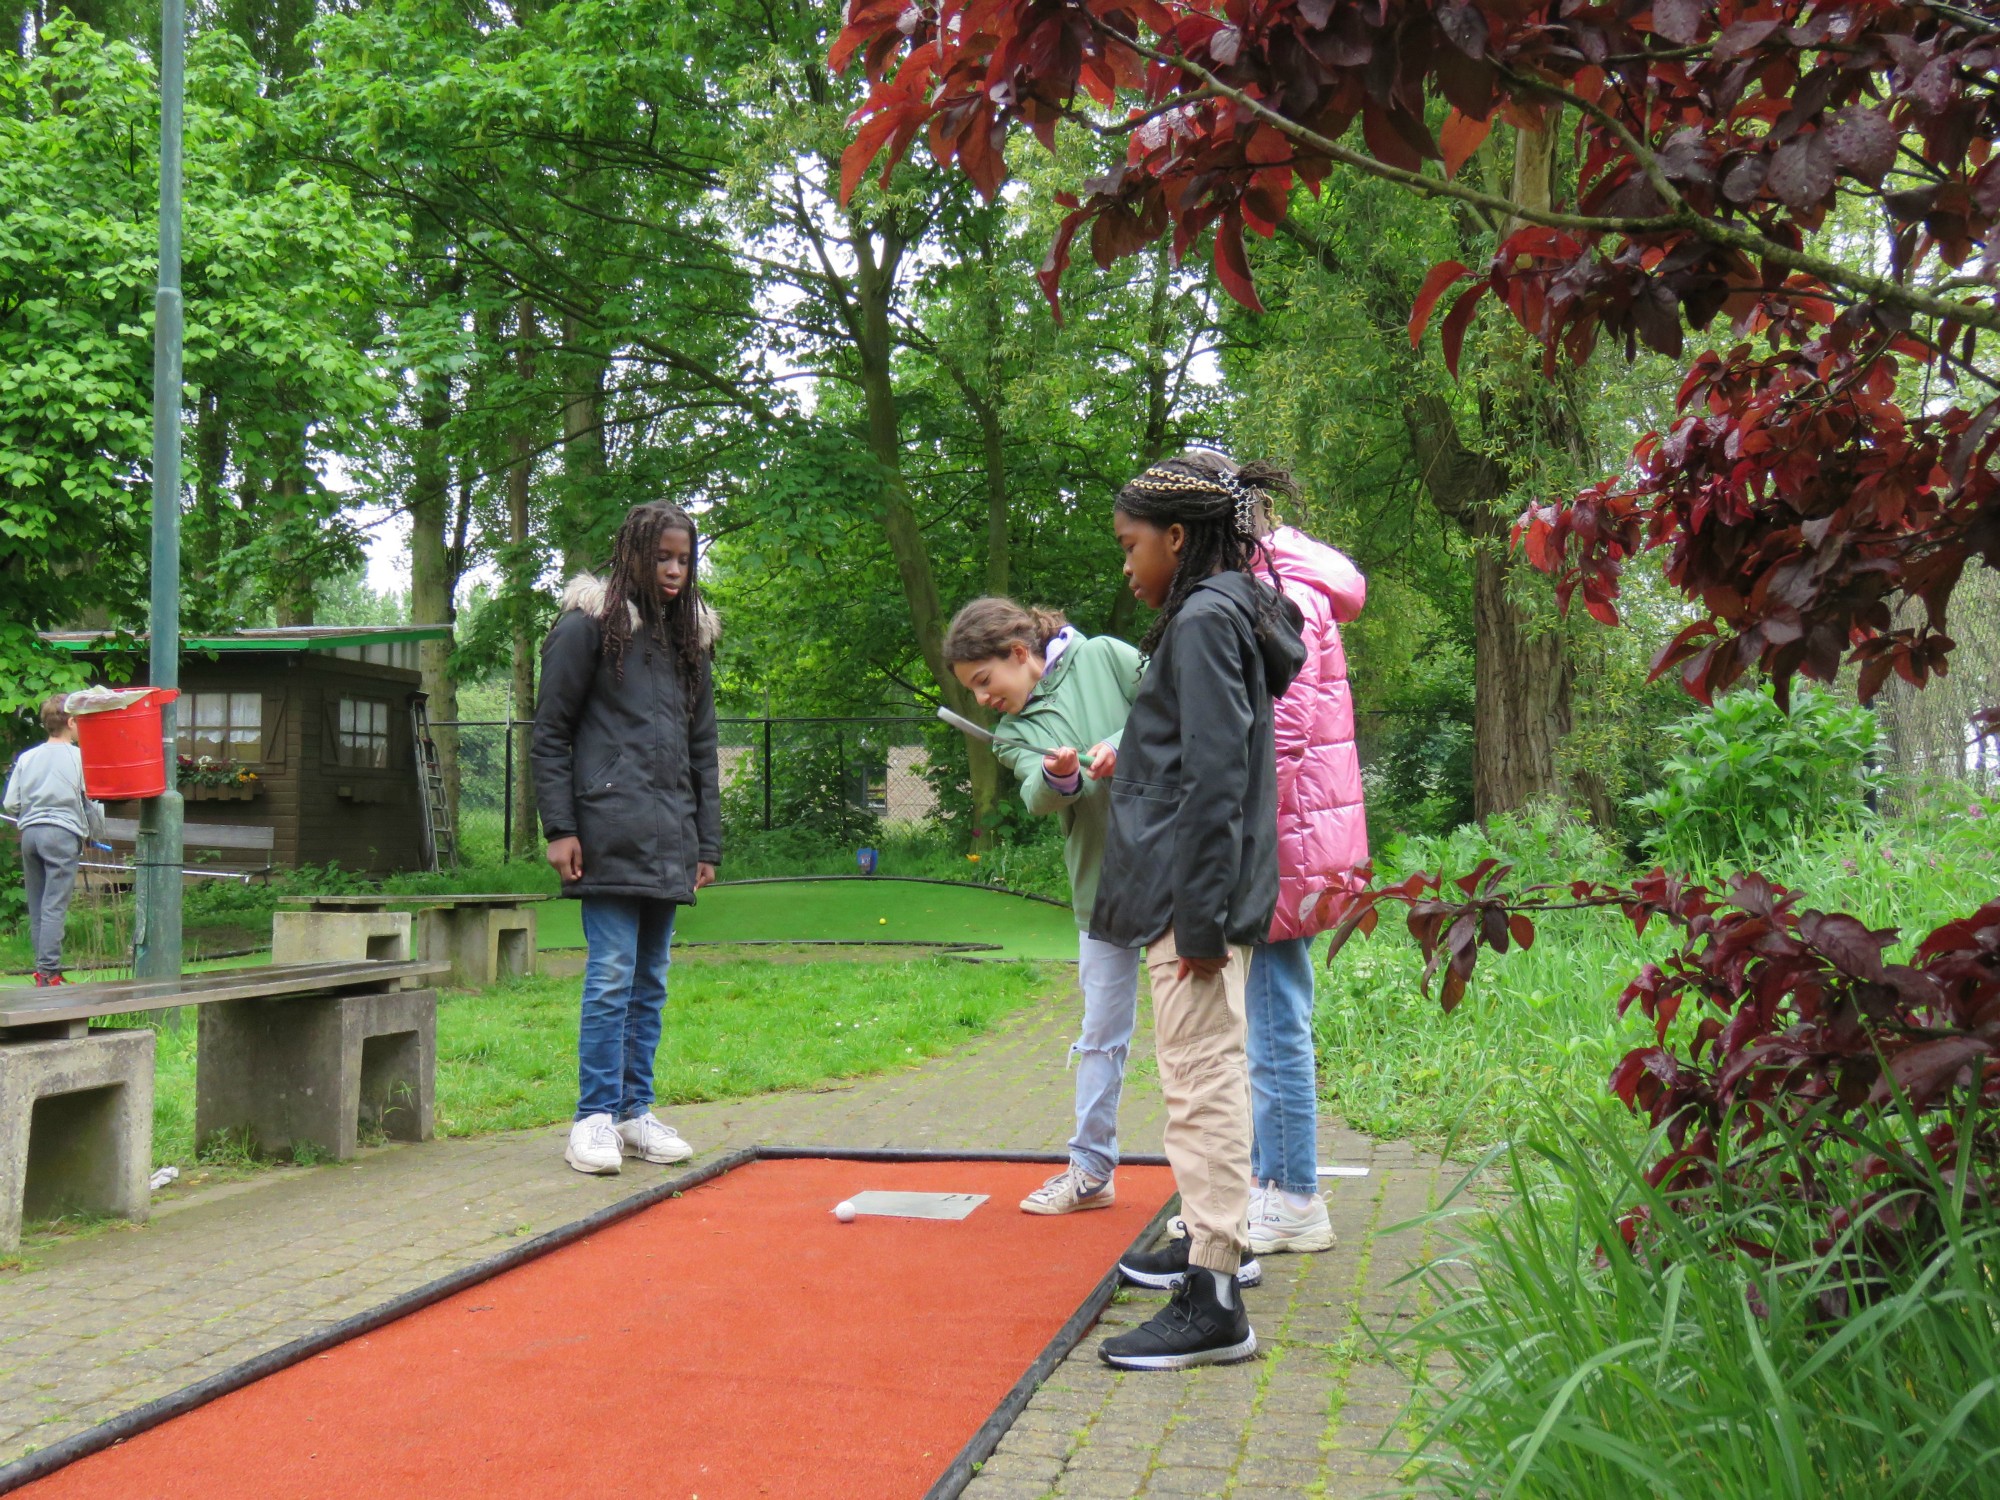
(1057, 689)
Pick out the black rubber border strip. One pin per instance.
(958, 1475)
(46, 1461)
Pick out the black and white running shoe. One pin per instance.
(1165, 1268)
(1194, 1328)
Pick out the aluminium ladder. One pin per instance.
(440, 836)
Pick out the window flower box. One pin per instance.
(243, 791)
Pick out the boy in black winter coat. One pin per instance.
(626, 774)
(1191, 873)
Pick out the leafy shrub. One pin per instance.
(1746, 774)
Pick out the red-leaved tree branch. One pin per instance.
(1811, 514)
(1715, 140)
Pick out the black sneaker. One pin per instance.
(1167, 1267)
(1193, 1329)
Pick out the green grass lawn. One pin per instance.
(507, 1056)
(853, 911)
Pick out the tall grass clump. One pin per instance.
(1728, 1349)
(1544, 1021)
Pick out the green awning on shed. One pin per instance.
(278, 638)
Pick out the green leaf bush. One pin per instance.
(1746, 775)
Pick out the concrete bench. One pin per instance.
(288, 1058)
(485, 938)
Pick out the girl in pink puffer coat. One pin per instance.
(1322, 828)
(1322, 840)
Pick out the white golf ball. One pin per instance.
(844, 1211)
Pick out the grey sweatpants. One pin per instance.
(49, 857)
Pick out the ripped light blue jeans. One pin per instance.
(1109, 976)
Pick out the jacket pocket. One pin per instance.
(605, 777)
(1135, 900)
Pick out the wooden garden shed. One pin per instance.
(306, 730)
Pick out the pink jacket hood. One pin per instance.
(1322, 828)
(1318, 567)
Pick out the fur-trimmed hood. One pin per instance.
(585, 593)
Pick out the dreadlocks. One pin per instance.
(632, 590)
(1224, 509)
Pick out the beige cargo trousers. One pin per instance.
(1198, 1031)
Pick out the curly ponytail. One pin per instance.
(989, 626)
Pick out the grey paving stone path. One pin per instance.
(97, 1326)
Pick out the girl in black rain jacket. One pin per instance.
(626, 773)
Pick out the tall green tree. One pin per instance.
(276, 263)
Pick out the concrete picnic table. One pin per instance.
(484, 936)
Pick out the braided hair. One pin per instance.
(1224, 509)
(632, 588)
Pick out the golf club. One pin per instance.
(958, 721)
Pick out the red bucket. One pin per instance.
(123, 752)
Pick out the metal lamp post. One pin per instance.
(158, 940)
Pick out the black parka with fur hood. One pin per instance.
(628, 768)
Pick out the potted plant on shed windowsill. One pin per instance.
(203, 778)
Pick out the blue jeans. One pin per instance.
(624, 988)
(1284, 1085)
(1109, 976)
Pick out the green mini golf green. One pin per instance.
(882, 909)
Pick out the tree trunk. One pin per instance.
(521, 580)
(874, 286)
(294, 596)
(1521, 673)
(581, 528)
(433, 582)
(994, 437)
(993, 432)
(1521, 685)
(1159, 412)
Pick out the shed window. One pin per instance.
(364, 732)
(221, 726)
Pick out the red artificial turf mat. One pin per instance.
(737, 1342)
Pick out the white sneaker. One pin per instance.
(1068, 1192)
(593, 1146)
(1282, 1227)
(645, 1137)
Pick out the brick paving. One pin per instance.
(94, 1327)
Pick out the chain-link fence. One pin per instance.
(843, 778)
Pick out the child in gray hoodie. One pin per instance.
(45, 797)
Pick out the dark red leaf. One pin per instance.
(1459, 138)
(1523, 929)
(1440, 276)
(1864, 142)
(1679, 21)
(1927, 1069)
(1452, 991)
(1452, 336)
(865, 147)
(1231, 264)
(1802, 172)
